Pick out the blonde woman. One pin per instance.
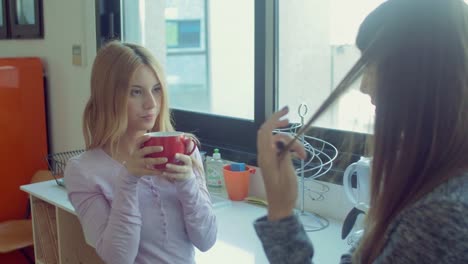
(130, 212)
(415, 65)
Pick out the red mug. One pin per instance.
(172, 143)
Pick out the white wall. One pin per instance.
(66, 23)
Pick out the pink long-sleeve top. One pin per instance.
(140, 220)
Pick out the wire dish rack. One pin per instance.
(57, 162)
(320, 157)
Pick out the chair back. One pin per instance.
(41, 175)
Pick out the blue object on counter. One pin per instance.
(237, 166)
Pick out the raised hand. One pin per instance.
(278, 172)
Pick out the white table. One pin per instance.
(58, 237)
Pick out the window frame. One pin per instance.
(4, 21)
(108, 21)
(29, 31)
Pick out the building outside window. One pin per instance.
(182, 34)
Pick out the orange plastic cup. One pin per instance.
(237, 182)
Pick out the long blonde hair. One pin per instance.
(420, 49)
(105, 114)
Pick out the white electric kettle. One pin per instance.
(360, 195)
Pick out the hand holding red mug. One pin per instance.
(139, 164)
(177, 148)
(179, 172)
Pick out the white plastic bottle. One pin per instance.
(214, 170)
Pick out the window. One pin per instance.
(315, 50)
(206, 50)
(24, 19)
(1, 13)
(182, 34)
(25, 13)
(231, 63)
(3, 26)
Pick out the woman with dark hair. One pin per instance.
(414, 66)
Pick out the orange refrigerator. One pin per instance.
(23, 135)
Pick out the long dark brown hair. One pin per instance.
(419, 49)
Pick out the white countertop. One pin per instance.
(237, 241)
(50, 192)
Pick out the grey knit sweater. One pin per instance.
(432, 230)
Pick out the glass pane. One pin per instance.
(172, 34)
(189, 34)
(25, 14)
(205, 48)
(183, 34)
(1, 14)
(316, 49)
